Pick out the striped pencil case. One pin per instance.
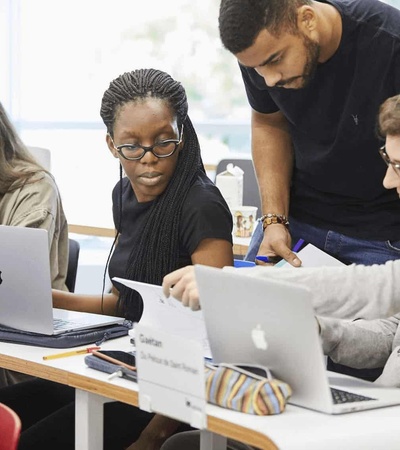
(247, 389)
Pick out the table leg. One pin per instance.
(211, 441)
(89, 420)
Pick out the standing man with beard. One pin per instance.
(315, 73)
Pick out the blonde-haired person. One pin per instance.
(351, 291)
(29, 197)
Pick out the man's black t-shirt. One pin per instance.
(337, 180)
(205, 215)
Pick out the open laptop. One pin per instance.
(271, 323)
(25, 287)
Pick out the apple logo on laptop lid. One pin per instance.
(258, 337)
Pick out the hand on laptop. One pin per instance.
(181, 284)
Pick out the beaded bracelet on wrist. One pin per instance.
(271, 218)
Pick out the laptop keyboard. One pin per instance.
(347, 397)
(61, 324)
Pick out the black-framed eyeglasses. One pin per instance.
(388, 161)
(161, 149)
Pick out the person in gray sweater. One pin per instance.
(373, 343)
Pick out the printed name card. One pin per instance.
(170, 375)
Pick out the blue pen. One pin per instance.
(299, 243)
(241, 263)
(263, 258)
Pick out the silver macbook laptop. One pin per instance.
(272, 324)
(25, 287)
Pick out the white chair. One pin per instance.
(42, 155)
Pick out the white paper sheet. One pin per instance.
(312, 256)
(168, 314)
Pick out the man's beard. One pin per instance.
(313, 51)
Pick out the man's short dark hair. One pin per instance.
(240, 21)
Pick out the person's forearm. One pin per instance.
(85, 303)
(360, 344)
(273, 161)
(348, 292)
(356, 291)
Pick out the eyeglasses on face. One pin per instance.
(161, 149)
(388, 161)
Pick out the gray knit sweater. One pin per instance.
(365, 344)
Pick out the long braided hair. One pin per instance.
(156, 252)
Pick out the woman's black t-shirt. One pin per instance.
(205, 215)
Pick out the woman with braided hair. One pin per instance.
(181, 216)
(167, 214)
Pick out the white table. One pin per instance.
(296, 428)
